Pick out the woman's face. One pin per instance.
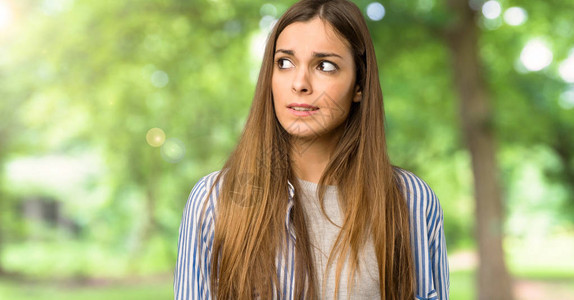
(313, 80)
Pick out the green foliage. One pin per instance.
(462, 285)
(88, 80)
(162, 289)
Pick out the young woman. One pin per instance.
(308, 205)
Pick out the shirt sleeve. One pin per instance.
(427, 239)
(438, 253)
(193, 267)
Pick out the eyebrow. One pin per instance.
(315, 54)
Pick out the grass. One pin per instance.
(161, 289)
(462, 288)
(542, 258)
(462, 285)
(547, 264)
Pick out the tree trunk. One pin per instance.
(151, 224)
(462, 39)
(152, 181)
(563, 145)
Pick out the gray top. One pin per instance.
(323, 235)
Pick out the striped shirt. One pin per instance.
(193, 267)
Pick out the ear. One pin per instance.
(358, 94)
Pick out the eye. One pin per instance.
(327, 66)
(284, 63)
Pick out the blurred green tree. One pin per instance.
(94, 77)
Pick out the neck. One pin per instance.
(311, 156)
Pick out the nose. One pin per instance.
(301, 82)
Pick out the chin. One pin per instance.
(303, 135)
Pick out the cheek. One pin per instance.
(276, 95)
(344, 95)
(279, 92)
(275, 88)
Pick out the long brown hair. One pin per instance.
(254, 195)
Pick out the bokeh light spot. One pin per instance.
(268, 9)
(257, 47)
(491, 24)
(491, 9)
(566, 100)
(536, 56)
(5, 15)
(515, 16)
(566, 69)
(375, 11)
(159, 79)
(173, 150)
(232, 27)
(155, 137)
(266, 23)
(54, 7)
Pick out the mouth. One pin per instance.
(302, 107)
(302, 110)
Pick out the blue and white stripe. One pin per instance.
(427, 238)
(193, 268)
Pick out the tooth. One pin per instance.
(302, 108)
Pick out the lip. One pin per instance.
(304, 113)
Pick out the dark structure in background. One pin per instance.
(476, 117)
(47, 212)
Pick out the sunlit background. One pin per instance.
(110, 111)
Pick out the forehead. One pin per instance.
(313, 35)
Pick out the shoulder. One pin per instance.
(411, 183)
(203, 196)
(421, 199)
(206, 183)
(196, 234)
